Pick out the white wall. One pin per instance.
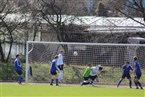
(16, 49)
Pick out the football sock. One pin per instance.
(136, 84)
(20, 79)
(61, 74)
(119, 82)
(139, 84)
(130, 84)
(56, 81)
(51, 83)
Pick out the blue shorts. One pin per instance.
(53, 73)
(126, 75)
(19, 72)
(138, 76)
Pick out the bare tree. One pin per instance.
(128, 8)
(16, 24)
(3, 7)
(55, 13)
(9, 23)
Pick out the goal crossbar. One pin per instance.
(101, 44)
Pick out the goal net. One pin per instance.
(77, 55)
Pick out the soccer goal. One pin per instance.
(77, 55)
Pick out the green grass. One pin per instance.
(72, 74)
(44, 90)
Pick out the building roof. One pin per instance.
(96, 24)
(113, 24)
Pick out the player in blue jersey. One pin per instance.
(138, 73)
(53, 71)
(18, 68)
(126, 68)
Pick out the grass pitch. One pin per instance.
(45, 90)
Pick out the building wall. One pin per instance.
(17, 48)
(48, 36)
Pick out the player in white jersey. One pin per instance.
(60, 64)
(95, 72)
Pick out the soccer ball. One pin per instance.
(75, 53)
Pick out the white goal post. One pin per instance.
(80, 54)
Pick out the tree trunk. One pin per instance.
(11, 43)
(1, 53)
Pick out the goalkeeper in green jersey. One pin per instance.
(86, 75)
